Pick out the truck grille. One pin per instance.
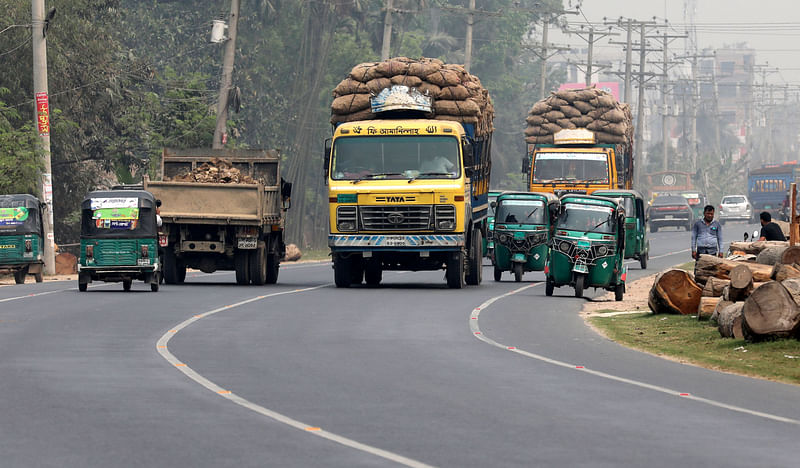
(394, 218)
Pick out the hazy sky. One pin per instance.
(772, 27)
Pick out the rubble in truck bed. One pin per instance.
(215, 171)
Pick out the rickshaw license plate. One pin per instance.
(394, 241)
(144, 262)
(580, 269)
(247, 242)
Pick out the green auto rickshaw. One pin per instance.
(488, 241)
(522, 231)
(588, 246)
(637, 246)
(119, 239)
(21, 236)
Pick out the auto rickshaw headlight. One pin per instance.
(89, 251)
(28, 245)
(602, 250)
(503, 238)
(564, 247)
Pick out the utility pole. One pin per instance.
(665, 115)
(628, 52)
(39, 24)
(468, 45)
(640, 105)
(227, 77)
(387, 31)
(547, 50)
(590, 39)
(543, 84)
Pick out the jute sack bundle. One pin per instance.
(454, 93)
(467, 107)
(350, 103)
(406, 80)
(365, 114)
(364, 72)
(444, 78)
(350, 86)
(390, 68)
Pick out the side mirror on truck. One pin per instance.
(326, 159)
(526, 165)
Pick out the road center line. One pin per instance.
(474, 326)
(163, 350)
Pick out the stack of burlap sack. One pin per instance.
(456, 94)
(588, 108)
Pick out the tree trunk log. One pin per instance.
(791, 255)
(783, 271)
(707, 307)
(713, 287)
(730, 321)
(755, 247)
(769, 312)
(792, 286)
(741, 283)
(771, 255)
(720, 306)
(674, 292)
(709, 265)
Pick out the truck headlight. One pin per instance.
(346, 217)
(445, 217)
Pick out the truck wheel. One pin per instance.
(356, 271)
(170, 267)
(273, 268)
(19, 275)
(241, 263)
(258, 265)
(498, 273)
(181, 270)
(549, 287)
(579, 283)
(518, 272)
(126, 284)
(455, 271)
(475, 259)
(373, 273)
(341, 271)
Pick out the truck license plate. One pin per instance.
(394, 241)
(247, 242)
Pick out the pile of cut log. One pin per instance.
(755, 300)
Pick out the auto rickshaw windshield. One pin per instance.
(19, 220)
(117, 218)
(587, 218)
(520, 212)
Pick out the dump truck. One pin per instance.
(407, 170)
(221, 210)
(579, 141)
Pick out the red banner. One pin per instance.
(42, 114)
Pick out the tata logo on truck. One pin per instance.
(396, 199)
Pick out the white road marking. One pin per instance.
(163, 350)
(474, 326)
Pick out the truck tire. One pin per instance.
(258, 265)
(180, 267)
(455, 271)
(475, 269)
(273, 268)
(373, 273)
(170, 266)
(241, 263)
(341, 271)
(356, 271)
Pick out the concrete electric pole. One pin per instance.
(39, 26)
(227, 78)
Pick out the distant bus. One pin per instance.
(767, 187)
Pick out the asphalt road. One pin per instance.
(302, 374)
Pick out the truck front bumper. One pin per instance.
(401, 242)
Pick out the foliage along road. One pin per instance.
(408, 374)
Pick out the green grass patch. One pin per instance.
(685, 338)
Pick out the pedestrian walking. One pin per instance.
(706, 235)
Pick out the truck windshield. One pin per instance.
(520, 212)
(563, 166)
(588, 218)
(395, 157)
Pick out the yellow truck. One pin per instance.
(407, 192)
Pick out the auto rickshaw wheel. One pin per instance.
(475, 259)
(653, 228)
(517, 272)
(126, 284)
(579, 284)
(455, 271)
(241, 264)
(82, 287)
(643, 260)
(549, 287)
(39, 277)
(341, 271)
(619, 291)
(19, 275)
(498, 273)
(155, 284)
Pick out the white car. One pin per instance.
(734, 208)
